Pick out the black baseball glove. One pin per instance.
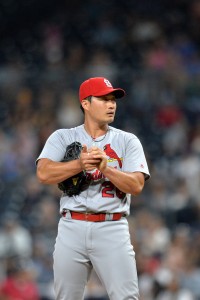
(77, 183)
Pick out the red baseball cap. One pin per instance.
(98, 86)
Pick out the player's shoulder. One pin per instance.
(120, 132)
(64, 131)
(65, 135)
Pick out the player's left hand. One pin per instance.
(97, 153)
(87, 160)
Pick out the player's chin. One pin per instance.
(110, 118)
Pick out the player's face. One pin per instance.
(103, 108)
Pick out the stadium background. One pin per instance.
(151, 49)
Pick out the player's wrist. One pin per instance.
(103, 167)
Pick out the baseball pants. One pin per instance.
(104, 246)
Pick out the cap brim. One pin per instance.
(119, 93)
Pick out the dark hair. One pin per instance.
(89, 98)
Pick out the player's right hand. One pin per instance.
(100, 155)
(87, 160)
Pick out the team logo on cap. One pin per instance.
(107, 82)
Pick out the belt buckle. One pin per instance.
(87, 215)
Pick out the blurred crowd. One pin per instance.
(152, 50)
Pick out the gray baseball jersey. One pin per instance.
(124, 152)
(104, 246)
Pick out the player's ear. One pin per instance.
(85, 104)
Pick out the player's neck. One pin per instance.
(96, 131)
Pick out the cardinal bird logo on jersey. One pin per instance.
(112, 154)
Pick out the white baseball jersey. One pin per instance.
(124, 152)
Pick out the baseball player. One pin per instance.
(93, 229)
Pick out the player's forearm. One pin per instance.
(126, 182)
(51, 172)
